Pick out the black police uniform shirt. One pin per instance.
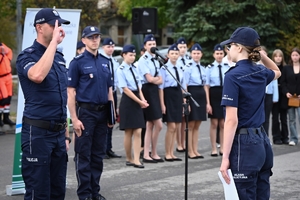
(90, 76)
(244, 88)
(48, 99)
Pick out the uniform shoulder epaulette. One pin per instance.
(189, 64)
(210, 65)
(115, 59)
(145, 56)
(78, 56)
(225, 63)
(29, 50)
(163, 67)
(188, 57)
(121, 67)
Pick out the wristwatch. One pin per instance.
(69, 139)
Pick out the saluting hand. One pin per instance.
(58, 33)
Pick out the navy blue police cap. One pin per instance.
(80, 44)
(149, 37)
(181, 40)
(218, 47)
(245, 36)
(196, 47)
(173, 47)
(90, 30)
(128, 48)
(49, 16)
(108, 41)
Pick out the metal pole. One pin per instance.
(19, 26)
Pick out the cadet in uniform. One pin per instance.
(132, 102)
(195, 78)
(246, 148)
(80, 47)
(149, 71)
(108, 46)
(43, 77)
(215, 79)
(171, 100)
(183, 59)
(89, 90)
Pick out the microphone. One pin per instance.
(155, 51)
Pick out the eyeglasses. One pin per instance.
(228, 46)
(93, 37)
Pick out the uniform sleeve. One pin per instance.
(121, 79)
(207, 72)
(275, 90)
(9, 53)
(73, 74)
(270, 75)
(230, 92)
(143, 67)
(187, 74)
(24, 63)
(163, 75)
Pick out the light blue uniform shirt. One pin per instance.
(192, 74)
(125, 77)
(168, 80)
(212, 73)
(180, 62)
(146, 66)
(272, 88)
(116, 66)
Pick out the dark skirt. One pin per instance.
(173, 101)
(131, 113)
(198, 94)
(215, 97)
(153, 111)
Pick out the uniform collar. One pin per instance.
(89, 54)
(105, 55)
(39, 46)
(125, 65)
(195, 63)
(148, 54)
(215, 63)
(244, 62)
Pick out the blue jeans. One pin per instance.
(251, 161)
(292, 123)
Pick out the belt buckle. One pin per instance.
(59, 126)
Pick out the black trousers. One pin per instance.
(279, 128)
(268, 109)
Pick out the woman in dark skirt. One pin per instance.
(195, 78)
(150, 75)
(171, 100)
(132, 102)
(214, 83)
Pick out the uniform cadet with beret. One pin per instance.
(108, 46)
(132, 102)
(43, 77)
(80, 47)
(151, 78)
(183, 59)
(195, 78)
(247, 150)
(89, 90)
(171, 100)
(214, 83)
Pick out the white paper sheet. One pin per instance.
(229, 190)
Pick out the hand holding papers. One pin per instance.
(229, 189)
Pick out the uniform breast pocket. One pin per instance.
(90, 73)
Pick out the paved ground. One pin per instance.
(165, 181)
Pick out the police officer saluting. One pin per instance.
(45, 140)
(89, 90)
(108, 46)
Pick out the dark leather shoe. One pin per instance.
(278, 142)
(180, 150)
(139, 166)
(285, 141)
(214, 155)
(200, 156)
(148, 161)
(106, 156)
(99, 197)
(112, 154)
(177, 159)
(158, 160)
(129, 163)
(195, 157)
(169, 159)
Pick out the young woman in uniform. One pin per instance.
(171, 100)
(195, 78)
(246, 147)
(131, 104)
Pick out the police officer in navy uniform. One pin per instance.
(43, 77)
(108, 47)
(247, 149)
(214, 83)
(89, 90)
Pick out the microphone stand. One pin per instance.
(185, 105)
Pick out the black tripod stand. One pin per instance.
(187, 97)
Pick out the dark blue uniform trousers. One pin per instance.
(44, 163)
(251, 160)
(110, 130)
(90, 149)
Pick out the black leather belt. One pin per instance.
(48, 125)
(245, 130)
(94, 107)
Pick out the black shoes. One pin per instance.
(180, 150)
(112, 154)
(214, 155)
(99, 197)
(139, 166)
(169, 159)
(158, 160)
(129, 163)
(149, 161)
(196, 157)
(278, 142)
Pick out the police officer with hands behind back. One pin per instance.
(108, 46)
(89, 90)
(43, 77)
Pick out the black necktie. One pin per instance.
(183, 61)
(136, 83)
(177, 75)
(156, 72)
(198, 66)
(112, 72)
(220, 75)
